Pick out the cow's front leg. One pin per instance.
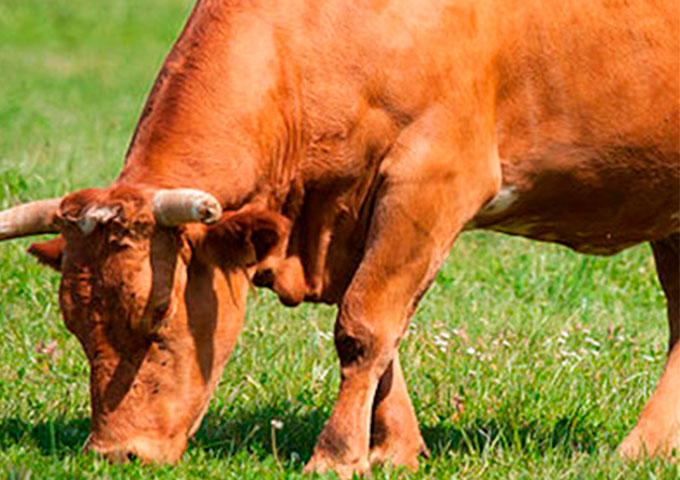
(395, 434)
(658, 429)
(433, 182)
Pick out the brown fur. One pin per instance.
(366, 135)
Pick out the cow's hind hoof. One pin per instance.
(641, 443)
(320, 463)
(399, 457)
(632, 448)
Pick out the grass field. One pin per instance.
(525, 361)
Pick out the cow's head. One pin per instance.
(154, 286)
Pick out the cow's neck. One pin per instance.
(226, 116)
(218, 117)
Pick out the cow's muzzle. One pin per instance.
(147, 450)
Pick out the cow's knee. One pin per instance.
(364, 341)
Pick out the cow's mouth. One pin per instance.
(146, 449)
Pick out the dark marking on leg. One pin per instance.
(332, 444)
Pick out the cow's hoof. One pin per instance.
(643, 442)
(320, 463)
(399, 456)
(631, 448)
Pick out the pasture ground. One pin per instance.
(525, 361)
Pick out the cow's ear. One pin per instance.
(50, 252)
(246, 237)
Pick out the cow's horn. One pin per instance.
(29, 219)
(175, 207)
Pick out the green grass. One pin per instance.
(524, 361)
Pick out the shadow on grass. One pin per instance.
(567, 435)
(59, 437)
(251, 432)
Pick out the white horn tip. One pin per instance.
(207, 210)
(176, 206)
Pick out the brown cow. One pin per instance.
(349, 142)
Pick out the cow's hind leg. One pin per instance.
(658, 429)
(395, 434)
(432, 184)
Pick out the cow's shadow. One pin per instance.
(58, 437)
(295, 440)
(473, 438)
(290, 435)
(270, 430)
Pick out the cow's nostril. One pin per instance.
(264, 278)
(115, 456)
(131, 457)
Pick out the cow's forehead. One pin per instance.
(130, 201)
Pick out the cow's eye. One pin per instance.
(159, 315)
(162, 315)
